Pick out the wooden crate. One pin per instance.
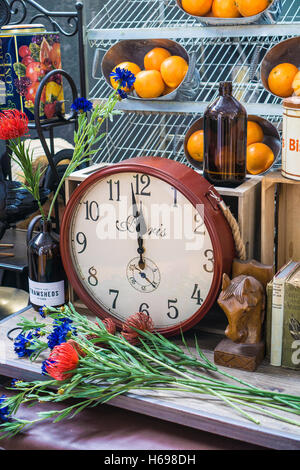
(280, 222)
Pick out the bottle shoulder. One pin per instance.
(226, 105)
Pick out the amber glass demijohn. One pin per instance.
(47, 279)
(225, 140)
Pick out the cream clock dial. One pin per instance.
(140, 245)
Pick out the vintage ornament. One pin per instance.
(120, 262)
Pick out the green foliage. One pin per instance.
(157, 364)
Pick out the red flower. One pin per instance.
(110, 327)
(76, 347)
(63, 359)
(13, 124)
(141, 321)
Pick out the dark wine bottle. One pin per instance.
(47, 278)
(225, 140)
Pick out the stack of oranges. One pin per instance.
(284, 80)
(224, 8)
(163, 73)
(260, 156)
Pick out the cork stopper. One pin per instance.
(292, 102)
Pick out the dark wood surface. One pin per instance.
(199, 412)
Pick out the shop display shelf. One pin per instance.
(144, 134)
(217, 59)
(133, 19)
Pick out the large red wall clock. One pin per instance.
(147, 234)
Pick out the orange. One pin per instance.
(296, 84)
(254, 133)
(154, 58)
(281, 79)
(173, 70)
(259, 158)
(149, 84)
(131, 66)
(195, 146)
(168, 90)
(251, 7)
(196, 7)
(225, 9)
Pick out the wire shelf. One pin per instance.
(129, 15)
(218, 59)
(148, 134)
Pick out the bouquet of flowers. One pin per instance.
(92, 363)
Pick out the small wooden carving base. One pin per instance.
(239, 355)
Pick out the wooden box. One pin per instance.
(280, 222)
(244, 202)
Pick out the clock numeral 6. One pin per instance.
(91, 210)
(209, 254)
(144, 309)
(92, 279)
(82, 241)
(116, 292)
(174, 313)
(197, 295)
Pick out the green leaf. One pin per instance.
(20, 69)
(35, 51)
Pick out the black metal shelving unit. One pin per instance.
(69, 24)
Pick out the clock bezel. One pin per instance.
(196, 189)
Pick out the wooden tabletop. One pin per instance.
(199, 412)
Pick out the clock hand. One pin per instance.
(140, 227)
(144, 276)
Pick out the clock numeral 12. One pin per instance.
(197, 295)
(116, 292)
(174, 313)
(142, 180)
(111, 190)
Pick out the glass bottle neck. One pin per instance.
(225, 89)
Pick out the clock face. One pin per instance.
(138, 244)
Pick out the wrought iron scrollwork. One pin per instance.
(16, 11)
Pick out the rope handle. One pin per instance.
(236, 232)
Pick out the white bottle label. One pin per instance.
(47, 293)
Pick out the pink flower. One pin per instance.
(141, 321)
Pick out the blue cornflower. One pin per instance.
(4, 410)
(82, 105)
(122, 93)
(43, 310)
(124, 77)
(61, 331)
(24, 345)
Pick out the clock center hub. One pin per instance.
(146, 279)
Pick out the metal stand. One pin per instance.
(69, 24)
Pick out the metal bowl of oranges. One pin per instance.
(231, 12)
(263, 145)
(163, 68)
(280, 69)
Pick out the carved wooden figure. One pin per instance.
(243, 301)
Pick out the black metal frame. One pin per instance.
(15, 12)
